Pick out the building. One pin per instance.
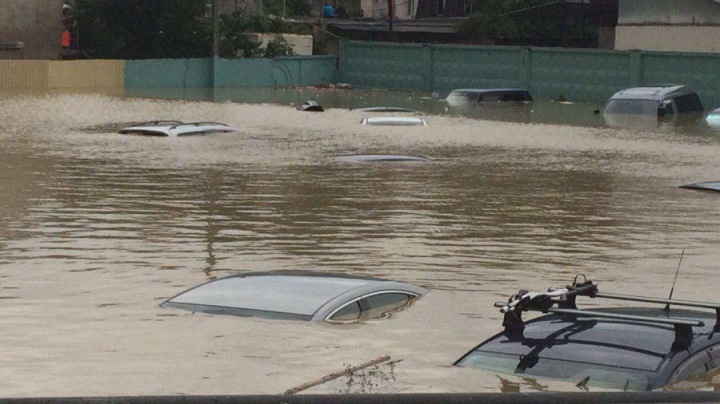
(669, 25)
(31, 29)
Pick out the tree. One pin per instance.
(527, 22)
(237, 39)
(141, 29)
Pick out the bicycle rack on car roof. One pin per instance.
(564, 300)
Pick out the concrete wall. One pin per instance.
(576, 74)
(48, 75)
(669, 25)
(86, 74)
(302, 44)
(187, 73)
(668, 37)
(35, 23)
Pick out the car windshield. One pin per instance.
(632, 107)
(462, 97)
(588, 374)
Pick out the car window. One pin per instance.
(632, 107)
(587, 374)
(515, 97)
(462, 96)
(703, 361)
(378, 306)
(688, 103)
(350, 312)
(490, 97)
(669, 109)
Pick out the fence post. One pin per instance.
(636, 67)
(340, 65)
(430, 67)
(525, 78)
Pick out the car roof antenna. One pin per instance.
(667, 306)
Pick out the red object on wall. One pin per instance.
(65, 39)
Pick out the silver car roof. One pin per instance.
(395, 121)
(365, 158)
(301, 297)
(652, 93)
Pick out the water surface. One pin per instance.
(97, 229)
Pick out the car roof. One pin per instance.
(704, 186)
(652, 93)
(282, 296)
(372, 158)
(176, 128)
(394, 121)
(489, 90)
(638, 348)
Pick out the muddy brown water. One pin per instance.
(97, 229)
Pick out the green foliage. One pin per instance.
(540, 21)
(236, 41)
(141, 29)
(279, 46)
(293, 8)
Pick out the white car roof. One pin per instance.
(176, 128)
(289, 296)
(395, 121)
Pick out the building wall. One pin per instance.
(378, 9)
(35, 23)
(665, 37)
(302, 44)
(657, 12)
(669, 25)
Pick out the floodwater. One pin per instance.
(97, 229)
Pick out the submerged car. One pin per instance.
(394, 121)
(704, 186)
(622, 348)
(292, 297)
(176, 128)
(375, 158)
(386, 109)
(664, 101)
(713, 118)
(472, 96)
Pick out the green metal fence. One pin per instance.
(549, 73)
(209, 73)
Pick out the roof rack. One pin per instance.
(562, 301)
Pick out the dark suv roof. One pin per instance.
(623, 348)
(655, 93)
(627, 355)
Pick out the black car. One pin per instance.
(473, 96)
(623, 348)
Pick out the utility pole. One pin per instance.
(216, 28)
(391, 16)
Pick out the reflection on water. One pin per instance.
(96, 229)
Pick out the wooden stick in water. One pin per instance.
(337, 375)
